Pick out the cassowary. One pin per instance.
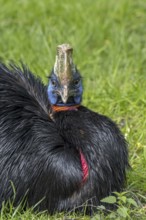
(53, 150)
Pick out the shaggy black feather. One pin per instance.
(40, 156)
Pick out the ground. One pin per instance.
(109, 41)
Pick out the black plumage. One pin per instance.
(40, 149)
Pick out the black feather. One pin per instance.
(40, 156)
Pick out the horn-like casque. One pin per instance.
(64, 67)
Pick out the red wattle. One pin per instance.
(84, 166)
(65, 108)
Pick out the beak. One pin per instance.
(65, 94)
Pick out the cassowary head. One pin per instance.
(65, 84)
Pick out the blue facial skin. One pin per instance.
(51, 89)
(75, 89)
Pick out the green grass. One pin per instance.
(109, 40)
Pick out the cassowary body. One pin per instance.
(66, 158)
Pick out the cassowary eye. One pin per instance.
(76, 82)
(53, 83)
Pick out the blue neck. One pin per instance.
(56, 100)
